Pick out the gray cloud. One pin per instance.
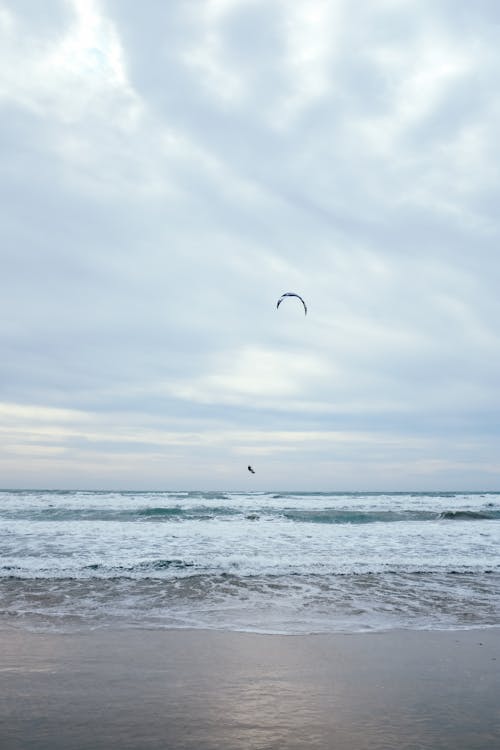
(165, 176)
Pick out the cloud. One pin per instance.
(167, 175)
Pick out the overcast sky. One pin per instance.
(169, 169)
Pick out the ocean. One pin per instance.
(269, 562)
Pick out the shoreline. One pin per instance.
(219, 690)
(125, 627)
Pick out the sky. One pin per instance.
(169, 169)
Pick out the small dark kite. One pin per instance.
(292, 294)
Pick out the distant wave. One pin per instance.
(179, 513)
(353, 516)
(470, 515)
(196, 513)
(159, 513)
(386, 516)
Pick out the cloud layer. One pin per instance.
(168, 173)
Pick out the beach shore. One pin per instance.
(209, 690)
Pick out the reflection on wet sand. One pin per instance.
(205, 690)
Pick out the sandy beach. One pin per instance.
(215, 690)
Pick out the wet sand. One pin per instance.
(203, 690)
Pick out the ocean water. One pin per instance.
(262, 562)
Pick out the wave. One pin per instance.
(178, 513)
(159, 513)
(470, 515)
(386, 516)
(196, 513)
(150, 565)
(356, 517)
(179, 570)
(287, 605)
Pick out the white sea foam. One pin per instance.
(274, 562)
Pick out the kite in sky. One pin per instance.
(251, 470)
(292, 294)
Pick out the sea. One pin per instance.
(267, 562)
